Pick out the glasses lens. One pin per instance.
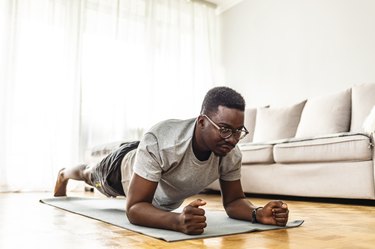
(239, 134)
(242, 134)
(225, 133)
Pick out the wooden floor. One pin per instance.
(26, 223)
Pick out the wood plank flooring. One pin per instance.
(26, 223)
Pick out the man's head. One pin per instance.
(222, 96)
(221, 123)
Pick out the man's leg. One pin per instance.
(80, 173)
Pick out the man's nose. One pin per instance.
(232, 140)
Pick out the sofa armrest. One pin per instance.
(97, 153)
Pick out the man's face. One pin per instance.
(226, 118)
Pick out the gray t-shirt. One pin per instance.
(165, 155)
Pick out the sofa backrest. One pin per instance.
(343, 111)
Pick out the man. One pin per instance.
(177, 159)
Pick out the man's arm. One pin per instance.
(140, 210)
(238, 207)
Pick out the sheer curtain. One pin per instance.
(161, 58)
(75, 74)
(40, 96)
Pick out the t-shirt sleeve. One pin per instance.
(230, 166)
(148, 161)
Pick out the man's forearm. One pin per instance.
(144, 214)
(240, 209)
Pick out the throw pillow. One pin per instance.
(325, 115)
(369, 124)
(363, 99)
(275, 123)
(249, 123)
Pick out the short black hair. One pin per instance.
(223, 96)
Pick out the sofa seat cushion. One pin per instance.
(256, 153)
(334, 148)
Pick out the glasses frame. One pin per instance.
(233, 132)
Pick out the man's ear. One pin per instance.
(200, 121)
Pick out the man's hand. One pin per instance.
(274, 213)
(192, 219)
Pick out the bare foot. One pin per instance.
(61, 183)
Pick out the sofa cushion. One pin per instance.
(363, 99)
(325, 115)
(333, 148)
(256, 153)
(275, 123)
(369, 123)
(249, 123)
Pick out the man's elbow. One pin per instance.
(230, 214)
(231, 210)
(131, 213)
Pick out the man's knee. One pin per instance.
(86, 173)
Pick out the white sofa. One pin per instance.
(315, 148)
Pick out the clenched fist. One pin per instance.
(274, 213)
(192, 220)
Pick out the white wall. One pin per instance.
(281, 51)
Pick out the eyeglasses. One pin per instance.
(226, 132)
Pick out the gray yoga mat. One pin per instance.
(112, 211)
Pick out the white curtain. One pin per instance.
(78, 73)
